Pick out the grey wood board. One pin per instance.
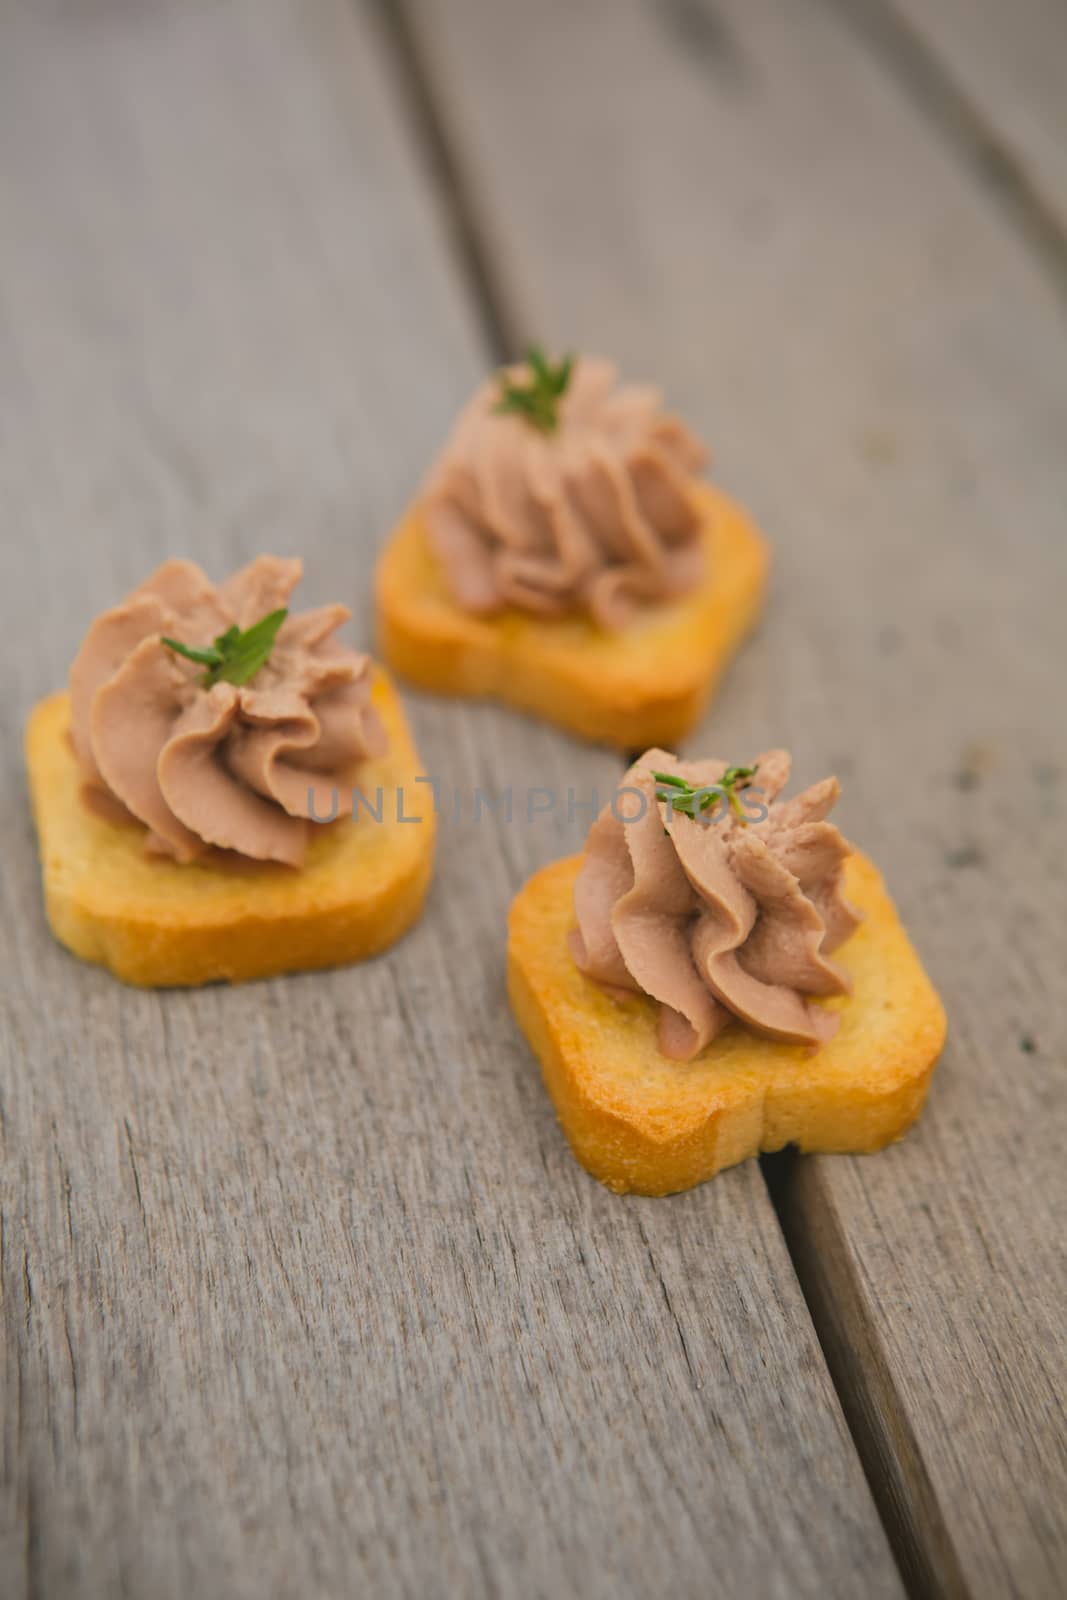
(879, 364)
(302, 1293)
(1009, 63)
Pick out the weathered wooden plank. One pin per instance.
(301, 1292)
(737, 198)
(1008, 65)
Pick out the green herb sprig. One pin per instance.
(683, 797)
(236, 656)
(538, 400)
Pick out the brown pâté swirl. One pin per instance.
(592, 514)
(219, 765)
(717, 917)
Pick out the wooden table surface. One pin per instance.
(302, 1293)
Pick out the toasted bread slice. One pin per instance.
(154, 922)
(640, 1122)
(646, 685)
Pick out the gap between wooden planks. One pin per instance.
(739, 199)
(991, 77)
(302, 1293)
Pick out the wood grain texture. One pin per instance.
(1008, 63)
(878, 362)
(302, 1293)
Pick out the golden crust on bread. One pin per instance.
(155, 922)
(646, 685)
(640, 1122)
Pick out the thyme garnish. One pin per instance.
(236, 655)
(537, 400)
(683, 797)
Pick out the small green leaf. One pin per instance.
(562, 376)
(235, 657)
(688, 801)
(205, 658)
(538, 400)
